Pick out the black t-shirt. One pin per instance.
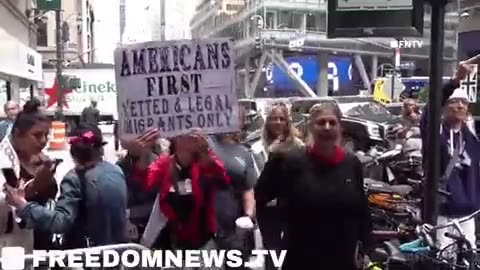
(91, 116)
(327, 211)
(181, 197)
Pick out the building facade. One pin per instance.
(177, 19)
(78, 21)
(209, 13)
(157, 20)
(122, 17)
(469, 29)
(136, 22)
(20, 64)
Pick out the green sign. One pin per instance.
(48, 4)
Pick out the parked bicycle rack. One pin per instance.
(118, 247)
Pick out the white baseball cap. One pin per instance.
(459, 93)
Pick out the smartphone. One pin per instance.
(10, 177)
(56, 162)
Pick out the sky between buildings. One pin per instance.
(139, 17)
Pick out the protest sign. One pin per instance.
(176, 86)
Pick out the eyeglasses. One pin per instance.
(458, 101)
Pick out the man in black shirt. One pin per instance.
(90, 115)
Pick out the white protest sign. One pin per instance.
(470, 84)
(176, 86)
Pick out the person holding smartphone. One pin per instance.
(92, 206)
(23, 148)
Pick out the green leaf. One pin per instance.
(423, 95)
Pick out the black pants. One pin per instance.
(271, 225)
(235, 242)
(229, 207)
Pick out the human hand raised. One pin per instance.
(464, 69)
(142, 143)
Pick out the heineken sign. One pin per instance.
(375, 18)
(85, 85)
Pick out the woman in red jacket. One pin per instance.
(187, 179)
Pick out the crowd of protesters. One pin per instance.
(187, 192)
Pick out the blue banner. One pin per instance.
(308, 68)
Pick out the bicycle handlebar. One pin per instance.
(461, 240)
(426, 229)
(459, 220)
(455, 237)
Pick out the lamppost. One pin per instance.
(60, 31)
(430, 209)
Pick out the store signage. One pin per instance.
(17, 59)
(374, 18)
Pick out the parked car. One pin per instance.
(396, 108)
(364, 121)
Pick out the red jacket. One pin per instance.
(159, 175)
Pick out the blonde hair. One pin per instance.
(291, 133)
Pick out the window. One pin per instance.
(231, 7)
(270, 20)
(311, 22)
(285, 20)
(298, 20)
(42, 33)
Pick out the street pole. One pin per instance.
(392, 85)
(430, 203)
(162, 19)
(59, 63)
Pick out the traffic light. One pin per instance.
(258, 43)
(70, 82)
(65, 32)
(63, 81)
(74, 83)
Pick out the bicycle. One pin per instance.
(424, 249)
